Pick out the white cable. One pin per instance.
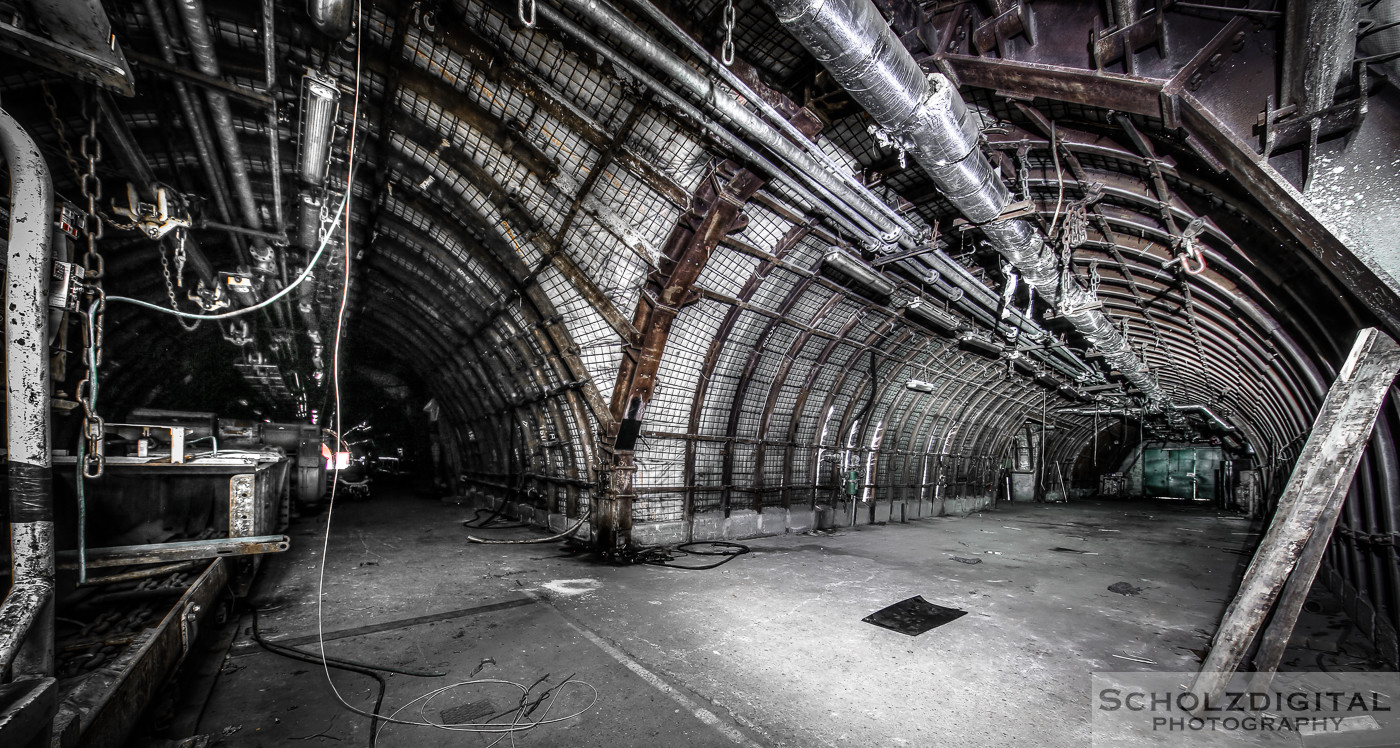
(344, 208)
(515, 726)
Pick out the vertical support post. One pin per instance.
(1308, 507)
(26, 617)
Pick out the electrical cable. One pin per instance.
(550, 539)
(325, 241)
(663, 556)
(327, 663)
(486, 524)
(297, 654)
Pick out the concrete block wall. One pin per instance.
(748, 523)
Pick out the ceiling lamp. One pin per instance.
(320, 101)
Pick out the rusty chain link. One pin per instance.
(169, 285)
(93, 426)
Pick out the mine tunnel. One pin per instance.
(700, 372)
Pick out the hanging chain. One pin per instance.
(92, 190)
(61, 131)
(1023, 169)
(169, 286)
(93, 427)
(726, 50)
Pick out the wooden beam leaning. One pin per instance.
(1308, 505)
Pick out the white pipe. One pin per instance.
(27, 270)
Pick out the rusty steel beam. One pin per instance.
(716, 210)
(1172, 101)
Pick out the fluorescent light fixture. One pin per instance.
(934, 317)
(320, 102)
(862, 278)
(919, 385)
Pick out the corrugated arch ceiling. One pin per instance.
(512, 197)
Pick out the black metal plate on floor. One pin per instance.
(913, 616)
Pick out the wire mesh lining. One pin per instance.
(551, 59)
(598, 344)
(761, 380)
(659, 507)
(743, 467)
(470, 269)
(660, 462)
(727, 271)
(678, 375)
(659, 141)
(709, 465)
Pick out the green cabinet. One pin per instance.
(1190, 473)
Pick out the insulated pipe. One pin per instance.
(925, 116)
(26, 616)
(853, 209)
(201, 47)
(854, 204)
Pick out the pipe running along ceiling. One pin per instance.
(526, 203)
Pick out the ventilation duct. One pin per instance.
(865, 280)
(924, 116)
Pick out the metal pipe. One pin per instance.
(923, 115)
(274, 140)
(203, 146)
(858, 203)
(1208, 413)
(876, 228)
(201, 47)
(656, 16)
(26, 616)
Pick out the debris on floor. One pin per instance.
(466, 713)
(962, 560)
(913, 616)
(1143, 660)
(1123, 588)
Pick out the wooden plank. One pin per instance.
(1309, 502)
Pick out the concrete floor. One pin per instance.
(766, 650)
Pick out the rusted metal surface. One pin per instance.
(27, 706)
(184, 550)
(103, 709)
(716, 210)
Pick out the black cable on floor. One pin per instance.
(662, 556)
(487, 524)
(314, 660)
